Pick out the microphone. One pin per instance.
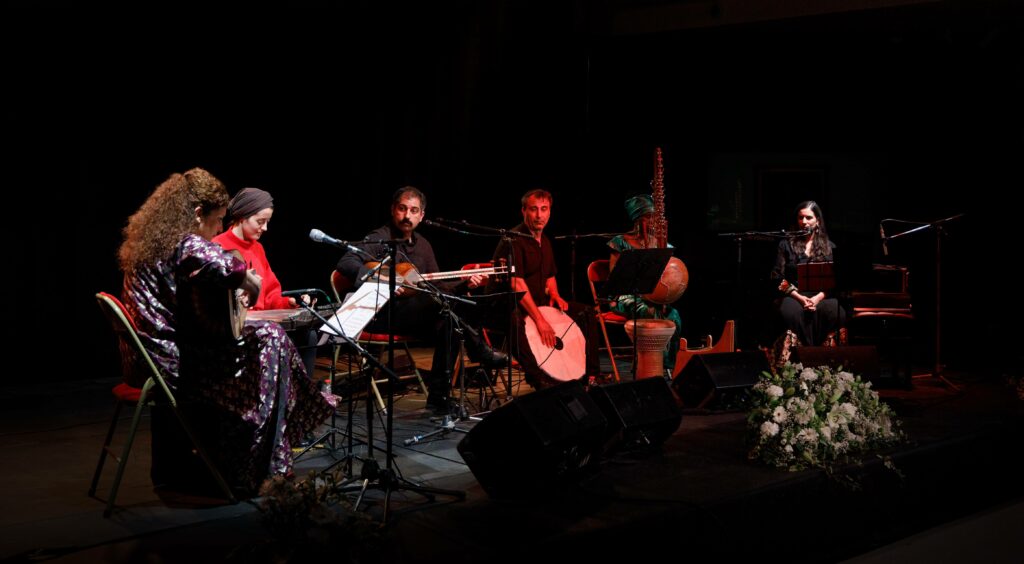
(321, 237)
(885, 246)
(426, 221)
(310, 291)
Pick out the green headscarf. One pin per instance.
(638, 206)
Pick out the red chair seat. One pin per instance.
(381, 337)
(124, 392)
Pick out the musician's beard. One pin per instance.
(406, 227)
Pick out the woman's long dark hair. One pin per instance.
(821, 250)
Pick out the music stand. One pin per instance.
(387, 479)
(815, 277)
(938, 226)
(636, 272)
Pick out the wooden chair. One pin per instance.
(885, 318)
(726, 343)
(340, 285)
(597, 273)
(140, 398)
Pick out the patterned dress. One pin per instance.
(254, 395)
(624, 305)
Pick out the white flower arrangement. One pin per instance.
(813, 417)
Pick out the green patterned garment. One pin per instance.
(646, 310)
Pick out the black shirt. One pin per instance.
(534, 262)
(791, 254)
(416, 250)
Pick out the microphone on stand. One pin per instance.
(885, 246)
(321, 237)
(310, 291)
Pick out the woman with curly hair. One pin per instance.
(254, 389)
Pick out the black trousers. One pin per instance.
(812, 327)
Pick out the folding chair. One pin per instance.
(597, 273)
(340, 284)
(485, 376)
(124, 393)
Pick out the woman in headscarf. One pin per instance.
(640, 210)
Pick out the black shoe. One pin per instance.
(488, 357)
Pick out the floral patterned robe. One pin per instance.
(257, 386)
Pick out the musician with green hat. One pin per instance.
(640, 209)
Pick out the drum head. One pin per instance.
(568, 360)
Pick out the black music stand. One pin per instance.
(371, 475)
(938, 226)
(506, 236)
(636, 272)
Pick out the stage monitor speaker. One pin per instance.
(861, 360)
(536, 443)
(640, 414)
(718, 377)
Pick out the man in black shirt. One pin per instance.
(419, 314)
(534, 261)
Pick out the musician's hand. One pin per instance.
(547, 334)
(808, 303)
(477, 280)
(814, 301)
(305, 299)
(252, 285)
(557, 301)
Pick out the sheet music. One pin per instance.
(358, 310)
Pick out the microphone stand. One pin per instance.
(387, 480)
(738, 238)
(334, 429)
(939, 226)
(458, 326)
(572, 253)
(506, 236)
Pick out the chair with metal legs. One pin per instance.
(154, 389)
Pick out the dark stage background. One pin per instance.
(907, 111)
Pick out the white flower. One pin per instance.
(824, 416)
(849, 409)
(807, 436)
(780, 415)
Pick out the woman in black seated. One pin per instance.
(810, 317)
